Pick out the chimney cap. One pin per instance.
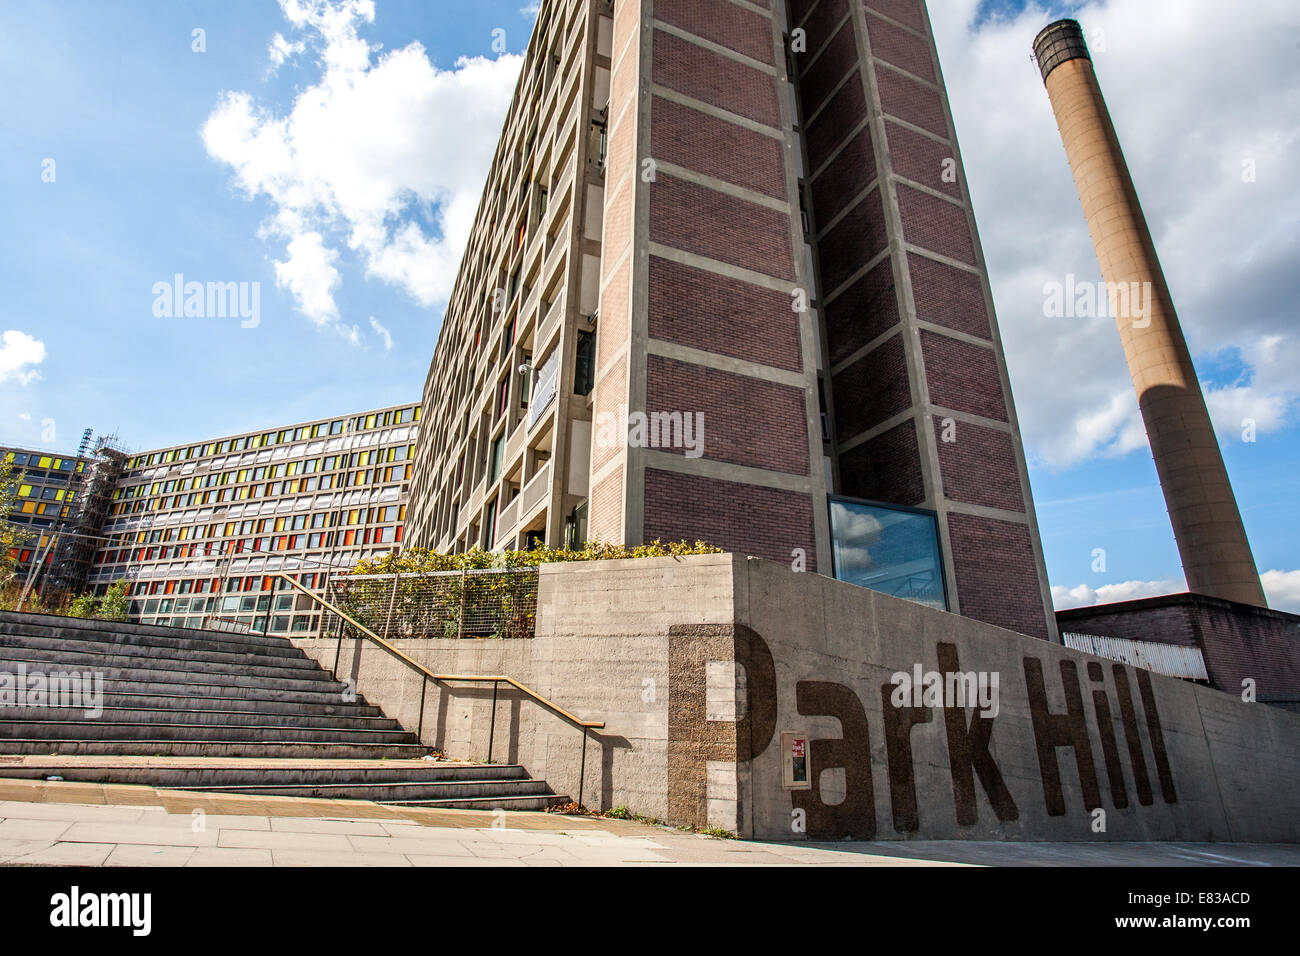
(1058, 42)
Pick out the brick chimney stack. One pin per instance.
(1206, 521)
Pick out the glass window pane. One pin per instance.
(888, 550)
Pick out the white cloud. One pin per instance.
(1084, 595)
(380, 330)
(282, 50)
(1193, 90)
(310, 275)
(385, 155)
(19, 354)
(1282, 588)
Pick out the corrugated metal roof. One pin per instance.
(1172, 660)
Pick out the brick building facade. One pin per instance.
(768, 233)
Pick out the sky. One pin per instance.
(326, 157)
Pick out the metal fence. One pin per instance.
(1172, 660)
(485, 603)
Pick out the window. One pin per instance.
(490, 526)
(584, 372)
(575, 528)
(888, 549)
(498, 451)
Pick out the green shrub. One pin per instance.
(459, 605)
(424, 559)
(115, 603)
(82, 606)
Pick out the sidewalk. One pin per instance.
(78, 824)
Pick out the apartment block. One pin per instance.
(726, 284)
(503, 457)
(199, 530)
(46, 484)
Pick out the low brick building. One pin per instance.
(1240, 642)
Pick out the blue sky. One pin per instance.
(115, 95)
(208, 164)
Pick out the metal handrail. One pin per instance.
(495, 679)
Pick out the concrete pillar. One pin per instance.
(1207, 524)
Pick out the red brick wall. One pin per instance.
(979, 466)
(724, 23)
(997, 580)
(852, 241)
(707, 311)
(935, 224)
(611, 393)
(866, 309)
(821, 21)
(948, 297)
(872, 389)
(746, 519)
(904, 11)
(821, 70)
(963, 377)
(887, 468)
(895, 45)
(922, 159)
(723, 150)
(850, 172)
(699, 73)
(827, 128)
(912, 101)
(709, 223)
(605, 510)
(614, 316)
(746, 421)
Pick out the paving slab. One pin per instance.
(67, 854)
(128, 833)
(134, 855)
(49, 828)
(230, 856)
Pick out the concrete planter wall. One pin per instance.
(699, 664)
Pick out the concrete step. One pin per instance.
(125, 731)
(394, 792)
(181, 714)
(267, 749)
(313, 680)
(193, 640)
(523, 802)
(329, 694)
(177, 773)
(59, 658)
(56, 647)
(87, 627)
(232, 705)
(214, 712)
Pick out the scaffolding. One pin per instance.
(70, 551)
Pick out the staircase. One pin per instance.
(216, 711)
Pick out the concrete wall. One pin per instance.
(1233, 769)
(699, 664)
(601, 653)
